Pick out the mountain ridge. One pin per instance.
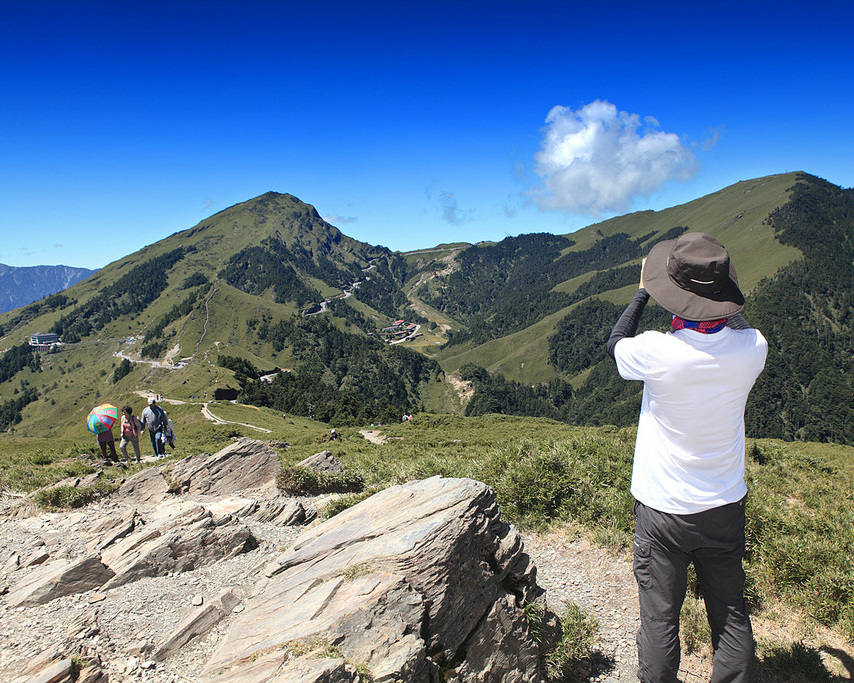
(239, 284)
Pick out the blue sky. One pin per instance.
(405, 124)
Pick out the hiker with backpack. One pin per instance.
(169, 434)
(154, 419)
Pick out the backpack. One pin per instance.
(162, 420)
(159, 419)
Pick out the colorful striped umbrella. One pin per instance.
(102, 418)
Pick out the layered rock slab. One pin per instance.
(246, 464)
(187, 540)
(417, 578)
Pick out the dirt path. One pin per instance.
(206, 413)
(374, 436)
(210, 416)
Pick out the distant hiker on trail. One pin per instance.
(106, 439)
(154, 418)
(131, 428)
(688, 473)
(169, 434)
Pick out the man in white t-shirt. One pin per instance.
(688, 473)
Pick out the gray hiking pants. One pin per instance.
(664, 546)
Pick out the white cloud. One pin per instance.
(712, 140)
(451, 211)
(339, 220)
(598, 159)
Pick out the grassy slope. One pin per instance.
(735, 215)
(77, 378)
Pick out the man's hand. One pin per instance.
(643, 263)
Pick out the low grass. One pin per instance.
(300, 480)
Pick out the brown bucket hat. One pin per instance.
(692, 277)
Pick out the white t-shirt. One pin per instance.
(689, 454)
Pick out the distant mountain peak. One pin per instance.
(20, 286)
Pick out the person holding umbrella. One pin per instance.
(100, 422)
(106, 439)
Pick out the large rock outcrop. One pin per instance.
(58, 578)
(244, 465)
(416, 581)
(131, 550)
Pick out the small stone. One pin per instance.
(198, 600)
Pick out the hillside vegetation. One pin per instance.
(265, 321)
(307, 311)
(803, 308)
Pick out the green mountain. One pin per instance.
(267, 303)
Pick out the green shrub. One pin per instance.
(41, 458)
(299, 480)
(694, 625)
(584, 480)
(66, 497)
(579, 634)
(535, 616)
(345, 502)
(799, 537)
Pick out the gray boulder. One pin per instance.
(284, 511)
(198, 623)
(182, 542)
(246, 464)
(322, 462)
(58, 578)
(146, 486)
(405, 583)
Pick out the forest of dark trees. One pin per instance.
(273, 265)
(338, 378)
(129, 296)
(14, 360)
(805, 311)
(155, 339)
(255, 269)
(505, 287)
(577, 344)
(32, 311)
(10, 411)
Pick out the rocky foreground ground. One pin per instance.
(180, 559)
(193, 571)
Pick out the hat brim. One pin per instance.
(688, 305)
